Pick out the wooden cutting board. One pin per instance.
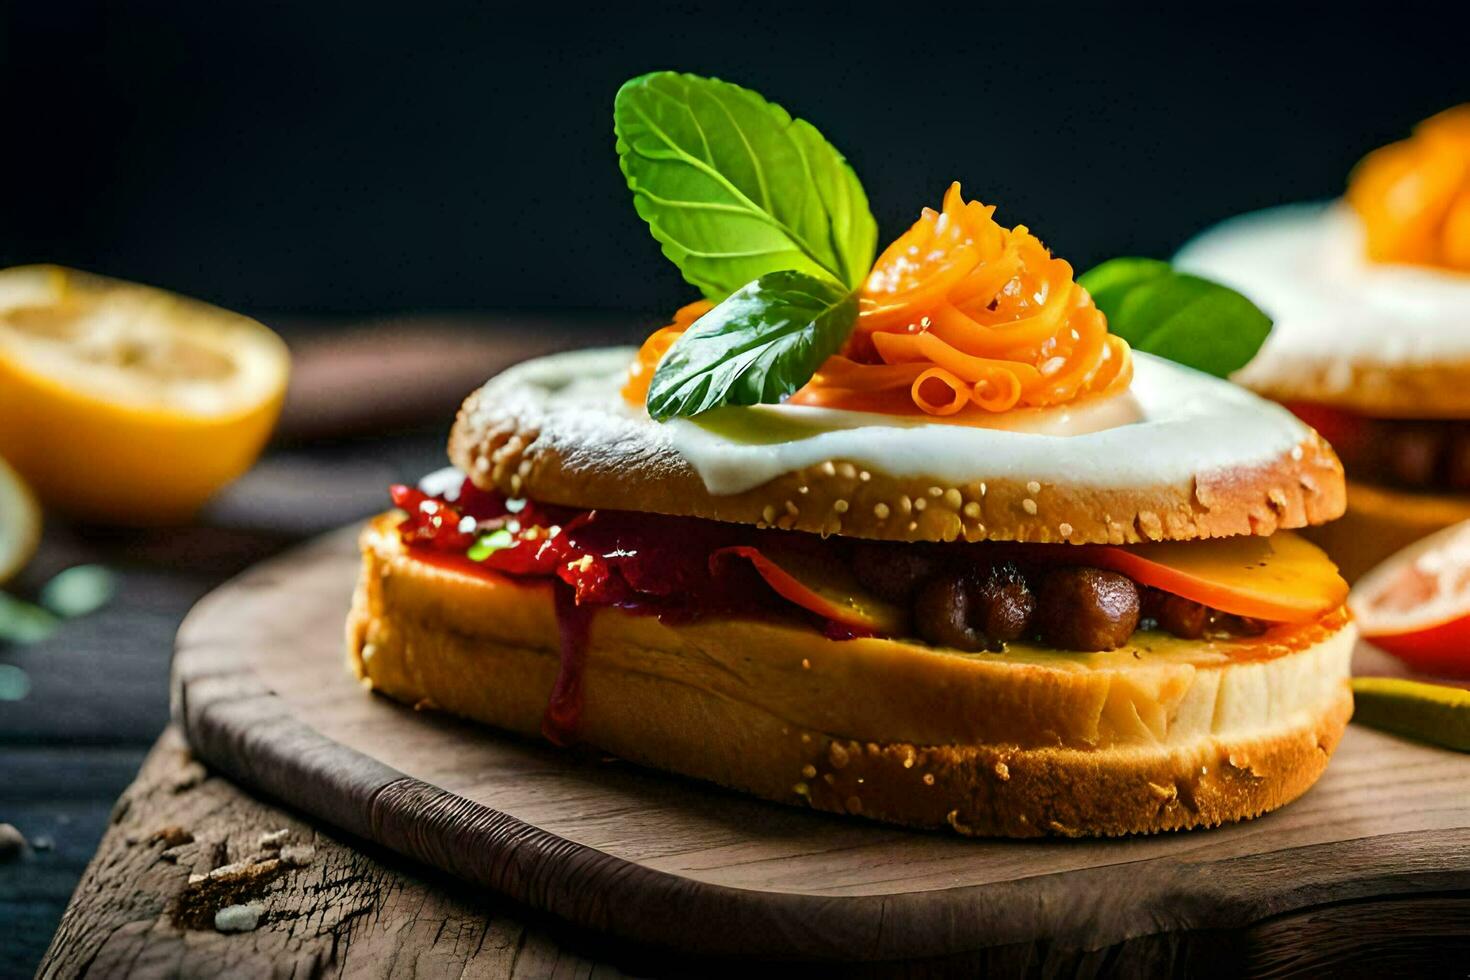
(262, 689)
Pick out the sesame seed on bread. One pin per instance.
(526, 437)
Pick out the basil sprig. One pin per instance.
(761, 213)
(758, 346)
(733, 187)
(1183, 317)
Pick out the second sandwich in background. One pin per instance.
(1371, 298)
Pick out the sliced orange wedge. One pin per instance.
(20, 523)
(126, 404)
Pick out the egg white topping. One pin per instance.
(1170, 426)
(1305, 265)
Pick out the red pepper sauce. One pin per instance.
(640, 563)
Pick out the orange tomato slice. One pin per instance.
(823, 587)
(1282, 578)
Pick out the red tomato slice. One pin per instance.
(1282, 578)
(1416, 604)
(824, 587)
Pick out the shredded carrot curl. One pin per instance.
(1413, 196)
(992, 320)
(959, 318)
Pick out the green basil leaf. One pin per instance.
(757, 347)
(1194, 321)
(1109, 282)
(733, 187)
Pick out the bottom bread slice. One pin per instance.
(1165, 735)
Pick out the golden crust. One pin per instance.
(504, 450)
(1380, 521)
(983, 745)
(1409, 390)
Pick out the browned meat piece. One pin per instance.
(1175, 614)
(1082, 608)
(893, 571)
(1411, 457)
(942, 613)
(970, 611)
(1006, 604)
(1457, 460)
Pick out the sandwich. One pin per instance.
(1371, 298)
(920, 539)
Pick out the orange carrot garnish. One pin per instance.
(1414, 196)
(959, 318)
(993, 319)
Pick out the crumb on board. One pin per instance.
(237, 918)
(273, 840)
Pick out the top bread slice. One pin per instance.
(555, 430)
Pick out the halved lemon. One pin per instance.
(20, 523)
(127, 404)
(1416, 604)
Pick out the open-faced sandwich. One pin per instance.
(920, 540)
(1371, 298)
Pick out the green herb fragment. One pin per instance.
(733, 187)
(489, 543)
(757, 347)
(22, 622)
(1194, 321)
(1110, 282)
(79, 590)
(14, 683)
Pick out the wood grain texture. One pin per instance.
(358, 911)
(261, 691)
(337, 911)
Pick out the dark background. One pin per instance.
(374, 157)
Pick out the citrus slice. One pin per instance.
(1431, 712)
(127, 404)
(20, 523)
(1416, 604)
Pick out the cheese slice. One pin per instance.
(1282, 578)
